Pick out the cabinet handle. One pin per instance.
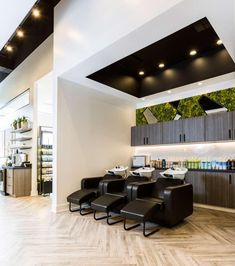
(147, 140)
(144, 141)
(180, 137)
(229, 133)
(184, 137)
(230, 179)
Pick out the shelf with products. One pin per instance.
(45, 161)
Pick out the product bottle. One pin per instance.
(163, 163)
(233, 164)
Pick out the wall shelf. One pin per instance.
(21, 130)
(21, 139)
(21, 147)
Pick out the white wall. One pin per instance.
(44, 100)
(34, 67)
(93, 134)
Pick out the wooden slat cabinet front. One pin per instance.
(197, 179)
(19, 182)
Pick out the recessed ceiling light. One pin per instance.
(219, 42)
(9, 48)
(199, 83)
(169, 92)
(36, 13)
(193, 52)
(141, 73)
(161, 65)
(20, 33)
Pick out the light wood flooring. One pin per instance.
(31, 235)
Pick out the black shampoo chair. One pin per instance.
(166, 202)
(116, 194)
(91, 188)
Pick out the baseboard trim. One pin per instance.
(214, 208)
(60, 208)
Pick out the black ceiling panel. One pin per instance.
(180, 68)
(36, 30)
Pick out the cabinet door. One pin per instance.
(18, 185)
(231, 190)
(137, 136)
(155, 134)
(142, 135)
(133, 136)
(217, 189)
(218, 126)
(194, 129)
(27, 182)
(197, 179)
(172, 132)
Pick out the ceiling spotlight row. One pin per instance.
(191, 53)
(36, 13)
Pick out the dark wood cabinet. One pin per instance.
(213, 127)
(172, 132)
(137, 137)
(219, 126)
(232, 190)
(197, 179)
(217, 189)
(155, 135)
(193, 129)
(146, 135)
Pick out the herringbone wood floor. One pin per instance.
(31, 235)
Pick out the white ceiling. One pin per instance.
(181, 15)
(11, 15)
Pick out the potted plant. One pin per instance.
(19, 123)
(14, 124)
(24, 122)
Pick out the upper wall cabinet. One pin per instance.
(184, 131)
(146, 135)
(194, 129)
(219, 126)
(172, 132)
(214, 127)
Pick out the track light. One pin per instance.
(20, 33)
(36, 12)
(161, 65)
(219, 42)
(193, 52)
(9, 48)
(141, 73)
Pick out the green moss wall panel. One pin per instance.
(188, 107)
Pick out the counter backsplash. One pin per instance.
(208, 151)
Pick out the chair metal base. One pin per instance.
(107, 217)
(130, 227)
(99, 218)
(150, 233)
(144, 228)
(80, 209)
(114, 222)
